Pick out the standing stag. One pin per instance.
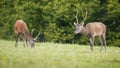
(91, 30)
(21, 28)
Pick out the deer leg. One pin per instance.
(104, 42)
(101, 42)
(17, 35)
(91, 43)
(23, 39)
(26, 42)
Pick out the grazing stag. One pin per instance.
(21, 28)
(91, 30)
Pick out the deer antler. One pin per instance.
(32, 31)
(37, 35)
(76, 16)
(85, 15)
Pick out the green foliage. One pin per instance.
(55, 18)
(113, 22)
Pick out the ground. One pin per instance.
(54, 55)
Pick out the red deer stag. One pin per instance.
(91, 30)
(21, 28)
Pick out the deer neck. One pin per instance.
(27, 35)
(84, 31)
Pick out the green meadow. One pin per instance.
(54, 55)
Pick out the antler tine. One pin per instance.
(37, 35)
(76, 16)
(32, 31)
(85, 15)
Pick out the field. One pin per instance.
(53, 55)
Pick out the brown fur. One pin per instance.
(92, 28)
(20, 27)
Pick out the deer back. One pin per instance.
(21, 27)
(95, 28)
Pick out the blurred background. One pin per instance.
(55, 19)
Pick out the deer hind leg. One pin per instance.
(91, 43)
(101, 42)
(17, 36)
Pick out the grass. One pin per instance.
(52, 55)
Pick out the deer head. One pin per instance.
(80, 26)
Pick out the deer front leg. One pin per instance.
(101, 42)
(23, 39)
(91, 43)
(26, 42)
(104, 42)
(16, 43)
